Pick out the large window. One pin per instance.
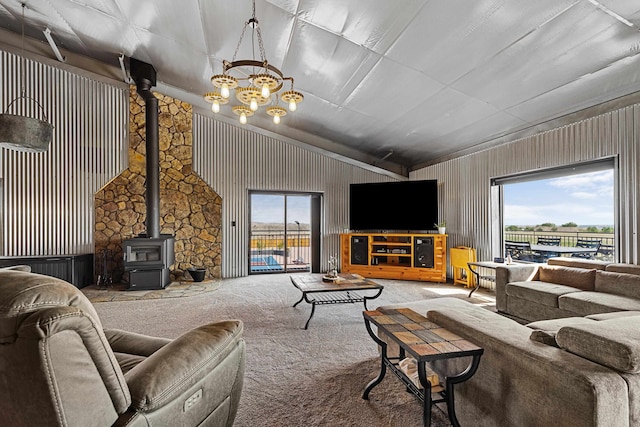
(571, 206)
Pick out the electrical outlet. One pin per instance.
(192, 400)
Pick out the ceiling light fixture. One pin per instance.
(610, 12)
(23, 133)
(256, 82)
(54, 47)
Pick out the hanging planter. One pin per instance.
(23, 133)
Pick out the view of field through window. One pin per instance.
(574, 208)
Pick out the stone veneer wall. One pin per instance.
(189, 208)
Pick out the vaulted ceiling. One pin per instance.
(408, 81)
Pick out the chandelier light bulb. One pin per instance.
(265, 91)
(253, 105)
(243, 118)
(215, 106)
(292, 105)
(276, 119)
(224, 90)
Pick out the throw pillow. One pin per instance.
(624, 284)
(614, 343)
(580, 278)
(545, 337)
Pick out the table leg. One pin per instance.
(300, 300)
(313, 309)
(372, 297)
(426, 387)
(383, 358)
(451, 381)
(477, 281)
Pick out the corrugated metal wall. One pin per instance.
(234, 160)
(464, 182)
(47, 198)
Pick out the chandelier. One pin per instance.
(256, 83)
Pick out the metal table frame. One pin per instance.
(483, 264)
(316, 292)
(447, 394)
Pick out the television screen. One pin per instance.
(404, 206)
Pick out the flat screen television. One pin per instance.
(403, 206)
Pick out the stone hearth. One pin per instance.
(189, 208)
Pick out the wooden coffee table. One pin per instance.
(315, 291)
(425, 341)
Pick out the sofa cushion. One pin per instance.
(578, 263)
(538, 292)
(585, 303)
(579, 278)
(625, 284)
(613, 315)
(623, 268)
(614, 343)
(554, 325)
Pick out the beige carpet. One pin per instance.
(119, 292)
(296, 377)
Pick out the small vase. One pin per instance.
(442, 230)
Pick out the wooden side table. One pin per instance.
(425, 341)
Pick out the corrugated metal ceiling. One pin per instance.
(421, 78)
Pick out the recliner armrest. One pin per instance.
(132, 343)
(174, 368)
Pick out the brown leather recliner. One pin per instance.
(59, 367)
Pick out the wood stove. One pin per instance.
(147, 260)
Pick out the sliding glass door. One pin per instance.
(280, 239)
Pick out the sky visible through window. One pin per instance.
(267, 208)
(585, 199)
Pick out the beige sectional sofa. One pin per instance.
(566, 287)
(582, 372)
(577, 363)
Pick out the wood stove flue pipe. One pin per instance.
(145, 77)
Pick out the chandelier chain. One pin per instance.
(239, 42)
(22, 70)
(263, 56)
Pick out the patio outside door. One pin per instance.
(280, 240)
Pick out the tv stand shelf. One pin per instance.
(395, 256)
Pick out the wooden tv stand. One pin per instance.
(395, 256)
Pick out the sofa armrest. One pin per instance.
(177, 366)
(512, 273)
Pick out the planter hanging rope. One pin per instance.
(24, 133)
